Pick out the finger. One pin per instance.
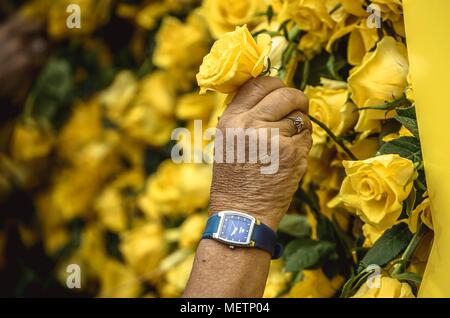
(302, 143)
(287, 126)
(253, 92)
(279, 103)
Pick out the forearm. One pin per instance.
(223, 272)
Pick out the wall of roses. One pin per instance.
(86, 174)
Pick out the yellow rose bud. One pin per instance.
(330, 106)
(423, 213)
(360, 41)
(223, 16)
(375, 188)
(234, 59)
(388, 288)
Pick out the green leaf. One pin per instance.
(407, 147)
(305, 253)
(387, 247)
(295, 225)
(407, 117)
(409, 277)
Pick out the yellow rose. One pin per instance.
(233, 60)
(389, 9)
(31, 140)
(361, 40)
(375, 188)
(176, 189)
(389, 288)
(277, 279)
(332, 108)
(315, 284)
(310, 45)
(143, 247)
(191, 230)
(223, 16)
(371, 235)
(118, 281)
(421, 213)
(310, 15)
(180, 45)
(381, 77)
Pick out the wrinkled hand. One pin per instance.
(22, 51)
(264, 102)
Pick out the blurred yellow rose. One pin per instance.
(114, 205)
(277, 279)
(193, 106)
(375, 188)
(143, 247)
(177, 277)
(180, 45)
(93, 14)
(117, 97)
(371, 235)
(142, 109)
(118, 281)
(31, 140)
(315, 284)
(192, 229)
(234, 59)
(331, 107)
(176, 189)
(223, 16)
(380, 78)
(83, 126)
(389, 288)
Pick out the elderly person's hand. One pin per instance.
(263, 103)
(22, 51)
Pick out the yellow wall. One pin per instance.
(428, 37)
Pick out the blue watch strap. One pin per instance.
(211, 226)
(266, 239)
(263, 236)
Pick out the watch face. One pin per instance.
(236, 228)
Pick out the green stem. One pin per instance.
(335, 138)
(410, 249)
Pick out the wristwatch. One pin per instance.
(240, 229)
